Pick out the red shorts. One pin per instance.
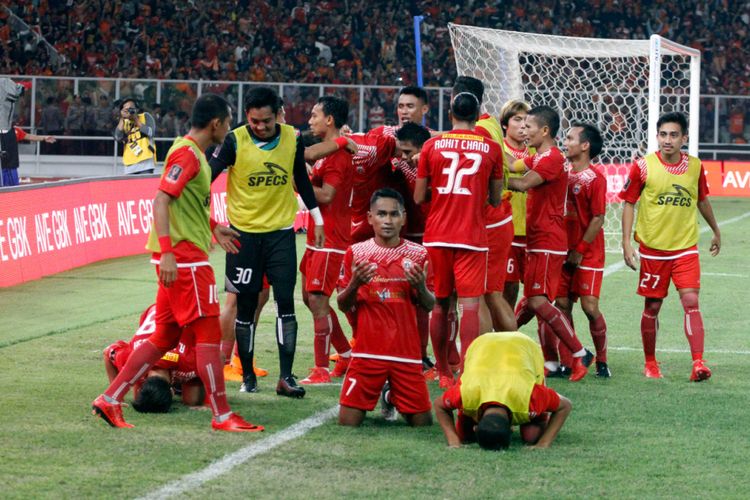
(118, 353)
(499, 239)
(542, 274)
(516, 260)
(193, 295)
(459, 269)
(366, 376)
(322, 269)
(361, 230)
(580, 283)
(684, 271)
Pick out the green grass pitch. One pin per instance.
(627, 437)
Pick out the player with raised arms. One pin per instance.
(385, 278)
(672, 188)
(187, 297)
(321, 267)
(546, 181)
(462, 169)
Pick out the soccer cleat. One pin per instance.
(235, 423)
(427, 364)
(580, 366)
(446, 381)
(318, 375)
(109, 412)
(232, 374)
(249, 384)
(259, 372)
(700, 371)
(430, 374)
(339, 369)
(560, 372)
(602, 370)
(652, 370)
(386, 407)
(288, 387)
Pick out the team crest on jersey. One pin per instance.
(576, 189)
(174, 173)
(407, 264)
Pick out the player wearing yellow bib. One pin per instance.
(136, 131)
(671, 185)
(502, 385)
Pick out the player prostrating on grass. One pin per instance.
(502, 385)
(513, 121)
(186, 299)
(385, 280)
(584, 267)
(321, 267)
(462, 169)
(672, 188)
(546, 182)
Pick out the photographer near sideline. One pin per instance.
(136, 130)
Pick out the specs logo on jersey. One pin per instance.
(275, 176)
(384, 294)
(679, 198)
(174, 173)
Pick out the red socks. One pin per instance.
(423, 327)
(137, 365)
(559, 325)
(649, 328)
(211, 373)
(439, 337)
(523, 313)
(338, 339)
(598, 329)
(693, 324)
(321, 343)
(468, 326)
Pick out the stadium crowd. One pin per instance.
(353, 42)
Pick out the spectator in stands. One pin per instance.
(52, 122)
(103, 124)
(136, 130)
(74, 124)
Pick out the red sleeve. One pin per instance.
(702, 185)
(633, 185)
(346, 275)
(386, 147)
(423, 169)
(20, 134)
(497, 167)
(179, 170)
(337, 168)
(482, 131)
(549, 168)
(529, 161)
(452, 398)
(543, 400)
(598, 196)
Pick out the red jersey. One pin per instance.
(587, 192)
(20, 134)
(503, 213)
(371, 170)
(545, 205)
(459, 165)
(386, 309)
(334, 170)
(543, 400)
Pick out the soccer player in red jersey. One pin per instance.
(671, 185)
(187, 297)
(320, 267)
(546, 182)
(513, 121)
(497, 315)
(462, 168)
(583, 270)
(153, 392)
(385, 280)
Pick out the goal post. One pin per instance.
(620, 86)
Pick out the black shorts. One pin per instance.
(273, 254)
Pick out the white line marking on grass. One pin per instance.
(730, 275)
(190, 482)
(678, 351)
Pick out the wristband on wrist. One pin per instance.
(213, 224)
(165, 244)
(317, 217)
(582, 246)
(341, 142)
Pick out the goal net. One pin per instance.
(621, 86)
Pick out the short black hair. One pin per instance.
(471, 85)
(414, 133)
(124, 100)
(465, 106)
(417, 92)
(155, 396)
(546, 117)
(260, 97)
(387, 193)
(493, 432)
(590, 134)
(336, 107)
(673, 117)
(208, 107)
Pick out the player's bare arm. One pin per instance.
(417, 277)
(326, 148)
(530, 180)
(628, 252)
(421, 194)
(444, 417)
(167, 262)
(325, 193)
(555, 423)
(575, 257)
(496, 191)
(707, 212)
(362, 272)
(226, 238)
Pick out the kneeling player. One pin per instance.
(384, 278)
(502, 384)
(153, 392)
